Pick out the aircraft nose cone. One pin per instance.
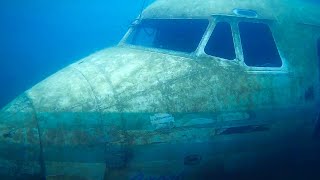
(19, 140)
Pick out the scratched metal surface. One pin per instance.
(128, 112)
(281, 10)
(19, 140)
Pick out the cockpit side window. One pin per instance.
(182, 35)
(258, 45)
(221, 43)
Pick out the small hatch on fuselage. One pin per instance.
(245, 13)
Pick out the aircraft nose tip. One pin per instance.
(18, 123)
(19, 139)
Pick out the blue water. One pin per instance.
(39, 37)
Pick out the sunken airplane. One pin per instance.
(195, 88)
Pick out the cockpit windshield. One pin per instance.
(182, 35)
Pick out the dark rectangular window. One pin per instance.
(182, 35)
(221, 43)
(259, 47)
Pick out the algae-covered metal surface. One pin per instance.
(283, 10)
(133, 112)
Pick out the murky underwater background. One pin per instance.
(39, 37)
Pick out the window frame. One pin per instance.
(167, 51)
(214, 20)
(234, 23)
(271, 24)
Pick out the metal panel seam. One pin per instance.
(41, 156)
